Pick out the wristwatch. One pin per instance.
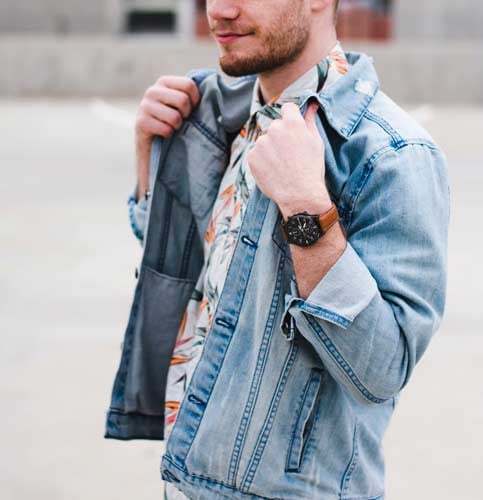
(304, 229)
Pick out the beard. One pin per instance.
(281, 43)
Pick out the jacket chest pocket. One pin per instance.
(305, 419)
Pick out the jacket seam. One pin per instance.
(209, 479)
(267, 426)
(209, 134)
(369, 166)
(187, 250)
(227, 345)
(366, 170)
(323, 313)
(295, 425)
(168, 201)
(345, 481)
(314, 413)
(340, 361)
(350, 129)
(255, 386)
(161, 163)
(397, 139)
(127, 343)
(316, 417)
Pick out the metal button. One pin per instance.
(288, 327)
(245, 239)
(223, 322)
(193, 399)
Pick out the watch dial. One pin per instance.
(303, 230)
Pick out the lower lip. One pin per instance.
(230, 38)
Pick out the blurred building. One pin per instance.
(107, 47)
(358, 19)
(97, 17)
(438, 20)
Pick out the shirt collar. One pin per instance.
(343, 102)
(319, 76)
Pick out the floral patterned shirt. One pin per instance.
(222, 232)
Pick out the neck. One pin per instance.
(272, 83)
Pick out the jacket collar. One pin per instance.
(343, 103)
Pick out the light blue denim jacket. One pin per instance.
(290, 398)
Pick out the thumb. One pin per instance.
(310, 117)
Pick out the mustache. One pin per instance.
(230, 28)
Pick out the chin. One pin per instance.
(237, 66)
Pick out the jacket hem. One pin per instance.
(199, 487)
(125, 426)
(203, 488)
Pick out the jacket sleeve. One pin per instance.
(371, 317)
(139, 209)
(137, 215)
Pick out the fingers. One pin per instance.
(310, 117)
(164, 113)
(165, 105)
(290, 111)
(173, 98)
(151, 126)
(183, 84)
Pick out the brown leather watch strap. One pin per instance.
(329, 218)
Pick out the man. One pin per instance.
(294, 225)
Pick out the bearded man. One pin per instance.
(294, 226)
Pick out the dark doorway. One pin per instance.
(151, 21)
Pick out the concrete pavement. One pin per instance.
(66, 282)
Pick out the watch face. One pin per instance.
(303, 230)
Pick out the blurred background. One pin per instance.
(72, 73)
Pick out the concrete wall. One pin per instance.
(83, 16)
(438, 20)
(414, 19)
(53, 16)
(124, 66)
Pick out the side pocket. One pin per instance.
(305, 420)
(351, 465)
(161, 307)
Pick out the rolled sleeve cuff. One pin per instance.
(137, 215)
(345, 291)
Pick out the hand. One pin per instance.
(288, 162)
(163, 109)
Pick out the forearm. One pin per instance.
(312, 263)
(372, 315)
(143, 152)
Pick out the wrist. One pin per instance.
(313, 204)
(142, 192)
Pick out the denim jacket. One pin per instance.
(291, 397)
